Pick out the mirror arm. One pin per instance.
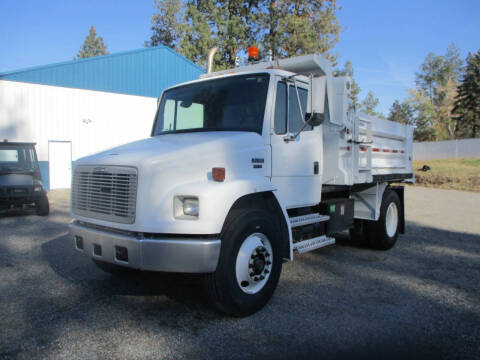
(305, 124)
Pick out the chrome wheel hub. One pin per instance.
(254, 263)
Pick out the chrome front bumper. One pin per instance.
(171, 255)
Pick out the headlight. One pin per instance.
(37, 185)
(186, 207)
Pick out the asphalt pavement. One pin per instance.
(419, 300)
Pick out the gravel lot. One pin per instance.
(418, 300)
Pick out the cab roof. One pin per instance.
(17, 143)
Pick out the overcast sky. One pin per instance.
(385, 40)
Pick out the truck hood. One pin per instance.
(170, 147)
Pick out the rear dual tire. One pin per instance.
(383, 233)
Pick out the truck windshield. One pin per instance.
(229, 104)
(13, 159)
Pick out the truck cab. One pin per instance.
(20, 181)
(244, 169)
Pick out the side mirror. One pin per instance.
(314, 119)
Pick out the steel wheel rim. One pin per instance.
(391, 221)
(255, 249)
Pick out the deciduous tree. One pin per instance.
(424, 116)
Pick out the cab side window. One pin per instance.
(295, 118)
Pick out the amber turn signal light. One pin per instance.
(218, 174)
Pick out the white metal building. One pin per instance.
(81, 107)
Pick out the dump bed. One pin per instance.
(390, 150)
(367, 149)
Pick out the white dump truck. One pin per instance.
(245, 169)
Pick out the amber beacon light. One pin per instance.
(253, 53)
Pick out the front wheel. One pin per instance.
(383, 233)
(249, 266)
(42, 207)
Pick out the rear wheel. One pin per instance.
(42, 206)
(249, 266)
(383, 233)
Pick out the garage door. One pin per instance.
(60, 164)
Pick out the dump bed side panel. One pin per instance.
(391, 149)
(366, 150)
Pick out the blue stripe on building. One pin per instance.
(44, 172)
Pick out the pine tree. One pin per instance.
(199, 36)
(369, 104)
(92, 46)
(347, 70)
(401, 112)
(167, 24)
(284, 27)
(309, 27)
(436, 70)
(289, 28)
(467, 102)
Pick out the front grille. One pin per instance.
(105, 193)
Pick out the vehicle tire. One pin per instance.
(249, 266)
(42, 206)
(113, 269)
(383, 233)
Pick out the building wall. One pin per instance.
(91, 120)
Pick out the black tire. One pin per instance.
(377, 230)
(221, 287)
(42, 206)
(116, 270)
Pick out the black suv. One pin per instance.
(20, 180)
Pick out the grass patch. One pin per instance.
(459, 174)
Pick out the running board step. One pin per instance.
(308, 219)
(312, 244)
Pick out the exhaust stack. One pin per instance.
(211, 54)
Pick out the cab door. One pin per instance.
(296, 164)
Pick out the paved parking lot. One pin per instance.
(418, 300)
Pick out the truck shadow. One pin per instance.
(80, 270)
(17, 212)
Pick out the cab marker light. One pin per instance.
(218, 174)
